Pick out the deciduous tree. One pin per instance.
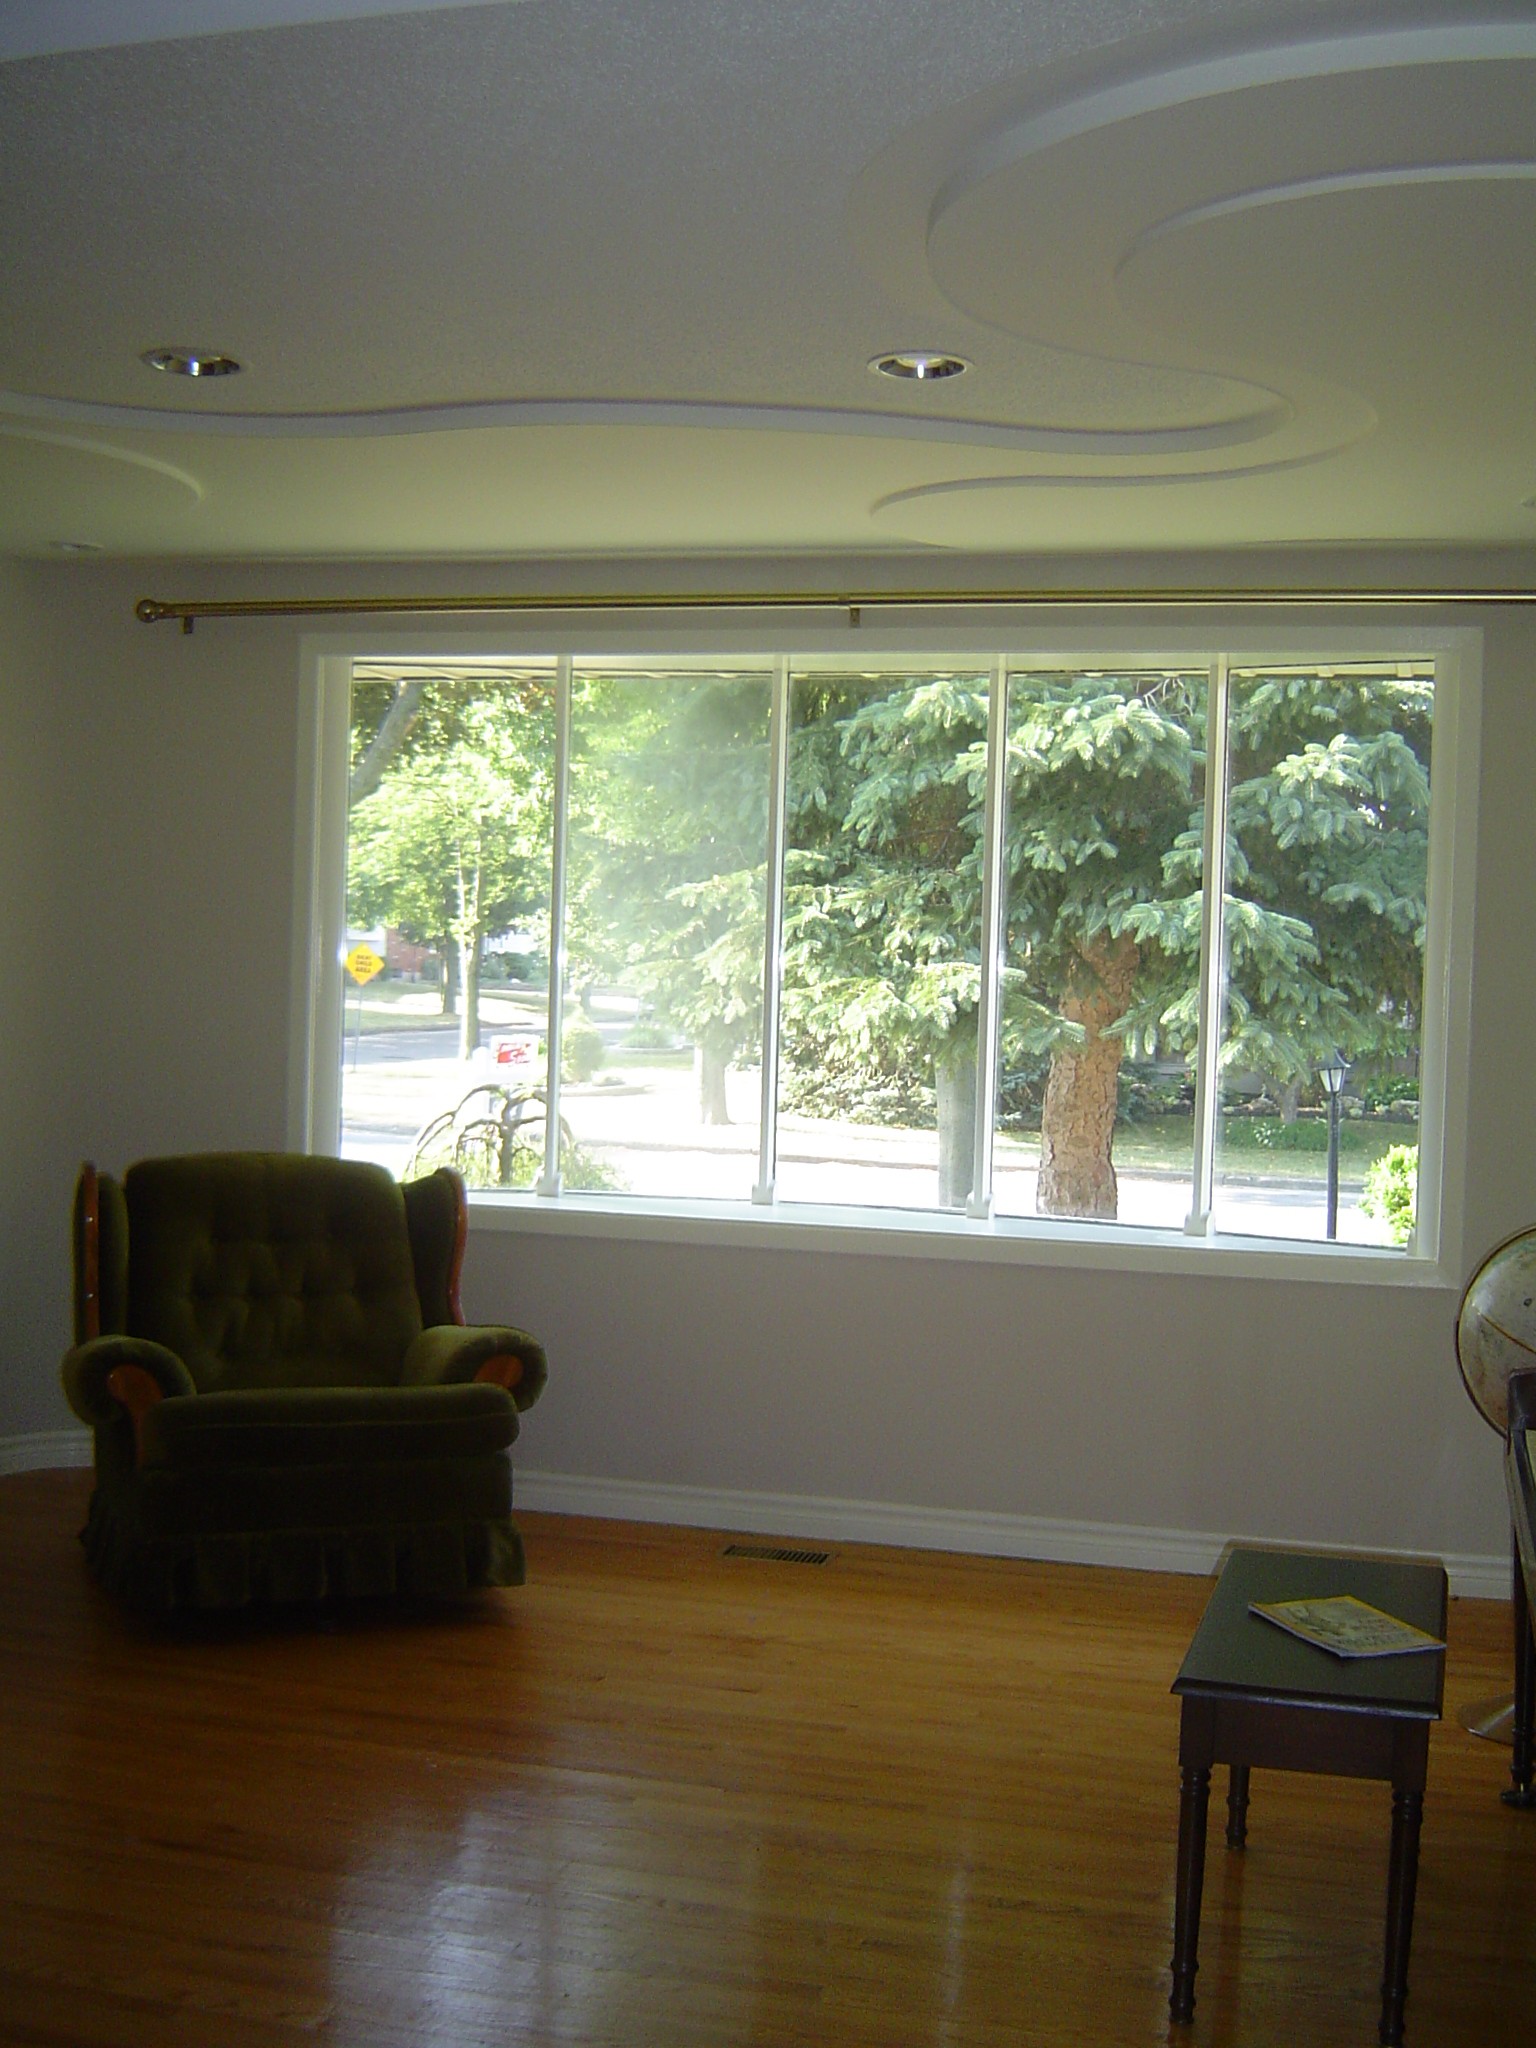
(452, 843)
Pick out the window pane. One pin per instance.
(448, 866)
(1324, 935)
(882, 920)
(1101, 945)
(661, 1079)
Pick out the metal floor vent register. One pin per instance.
(775, 1553)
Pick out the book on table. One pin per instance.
(1346, 1627)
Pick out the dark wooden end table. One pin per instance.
(1254, 1695)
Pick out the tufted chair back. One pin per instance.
(263, 1270)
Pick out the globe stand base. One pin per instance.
(1493, 1720)
(1513, 1796)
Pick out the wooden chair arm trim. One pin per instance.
(504, 1370)
(90, 1252)
(138, 1391)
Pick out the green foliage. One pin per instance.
(895, 1089)
(1146, 1095)
(1105, 781)
(883, 873)
(1387, 1092)
(669, 797)
(1307, 1134)
(1327, 861)
(582, 1051)
(1392, 1190)
(1270, 1134)
(452, 842)
(495, 1136)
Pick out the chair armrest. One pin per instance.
(88, 1368)
(450, 1353)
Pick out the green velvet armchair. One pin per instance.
(285, 1400)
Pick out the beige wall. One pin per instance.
(146, 848)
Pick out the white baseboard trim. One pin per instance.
(45, 1450)
(808, 1519)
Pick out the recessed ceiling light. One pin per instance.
(925, 365)
(190, 362)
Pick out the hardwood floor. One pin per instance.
(665, 1796)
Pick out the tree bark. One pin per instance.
(469, 932)
(469, 996)
(1077, 1122)
(954, 1088)
(712, 1061)
(388, 740)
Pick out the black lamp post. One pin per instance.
(1332, 1075)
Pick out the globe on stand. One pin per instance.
(1495, 1336)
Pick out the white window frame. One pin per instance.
(1002, 641)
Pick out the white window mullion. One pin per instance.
(549, 1180)
(773, 930)
(1213, 951)
(993, 891)
(319, 1035)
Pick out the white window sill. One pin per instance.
(908, 1234)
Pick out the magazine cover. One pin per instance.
(1346, 1627)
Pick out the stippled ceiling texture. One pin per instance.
(576, 276)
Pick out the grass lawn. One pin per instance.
(1168, 1142)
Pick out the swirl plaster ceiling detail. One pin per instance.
(88, 482)
(1322, 226)
(1212, 294)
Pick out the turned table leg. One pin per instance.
(1196, 1741)
(1237, 1805)
(1408, 1777)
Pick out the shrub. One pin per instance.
(1270, 1134)
(496, 1136)
(581, 1049)
(818, 1078)
(1389, 1093)
(1391, 1190)
(1244, 1133)
(1145, 1093)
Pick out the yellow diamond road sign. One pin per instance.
(363, 964)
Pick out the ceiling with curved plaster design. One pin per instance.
(565, 277)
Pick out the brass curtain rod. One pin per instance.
(151, 611)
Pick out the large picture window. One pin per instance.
(994, 939)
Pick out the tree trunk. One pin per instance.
(1077, 1121)
(954, 1088)
(469, 996)
(449, 956)
(468, 933)
(712, 1062)
(388, 740)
